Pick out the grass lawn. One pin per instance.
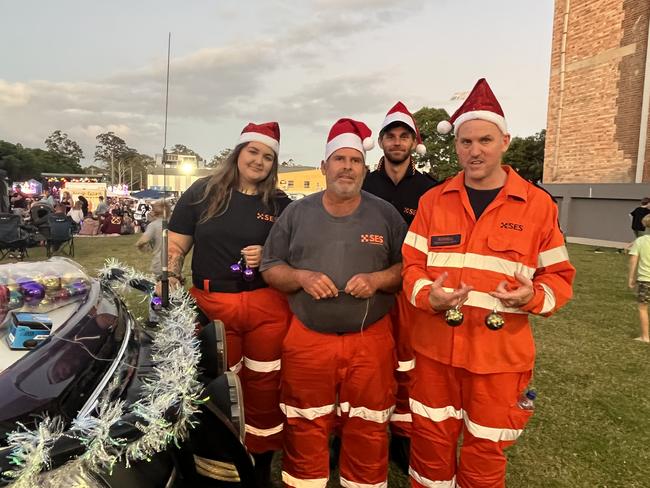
(592, 422)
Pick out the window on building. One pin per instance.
(290, 184)
(306, 184)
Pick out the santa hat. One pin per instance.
(267, 133)
(349, 133)
(399, 113)
(479, 104)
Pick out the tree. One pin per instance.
(526, 156)
(219, 158)
(112, 151)
(22, 163)
(59, 143)
(440, 160)
(182, 149)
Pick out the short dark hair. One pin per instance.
(393, 125)
(645, 201)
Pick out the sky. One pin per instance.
(87, 67)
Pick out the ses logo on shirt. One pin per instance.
(265, 217)
(372, 239)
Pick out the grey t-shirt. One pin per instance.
(306, 236)
(153, 232)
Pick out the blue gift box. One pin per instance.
(28, 330)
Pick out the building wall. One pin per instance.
(305, 181)
(599, 213)
(291, 180)
(595, 140)
(176, 183)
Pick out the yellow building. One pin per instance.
(296, 181)
(300, 180)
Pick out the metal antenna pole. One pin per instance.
(164, 280)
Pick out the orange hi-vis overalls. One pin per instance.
(256, 322)
(468, 378)
(345, 378)
(403, 315)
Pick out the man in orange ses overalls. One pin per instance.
(490, 254)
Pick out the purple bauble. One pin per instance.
(78, 288)
(156, 304)
(235, 269)
(249, 274)
(32, 292)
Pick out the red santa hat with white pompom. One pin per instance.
(399, 113)
(349, 133)
(267, 133)
(479, 104)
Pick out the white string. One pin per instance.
(365, 315)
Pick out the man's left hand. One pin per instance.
(516, 296)
(361, 285)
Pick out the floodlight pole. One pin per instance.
(164, 279)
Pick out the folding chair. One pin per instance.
(13, 236)
(60, 237)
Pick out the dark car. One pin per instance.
(88, 383)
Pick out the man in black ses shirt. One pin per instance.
(397, 181)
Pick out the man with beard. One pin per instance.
(397, 181)
(337, 255)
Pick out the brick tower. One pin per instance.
(599, 93)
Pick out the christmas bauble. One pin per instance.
(494, 321)
(61, 295)
(249, 274)
(51, 283)
(454, 317)
(32, 292)
(15, 300)
(235, 269)
(156, 304)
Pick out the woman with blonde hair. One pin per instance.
(226, 218)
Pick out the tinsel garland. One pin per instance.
(172, 386)
(30, 451)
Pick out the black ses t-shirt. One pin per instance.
(405, 195)
(218, 241)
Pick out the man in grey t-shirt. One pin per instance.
(337, 255)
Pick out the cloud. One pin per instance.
(290, 67)
(318, 103)
(13, 94)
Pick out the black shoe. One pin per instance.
(399, 450)
(263, 469)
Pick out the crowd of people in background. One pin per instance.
(111, 215)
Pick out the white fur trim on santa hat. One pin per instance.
(368, 143)
(495, 118)
(263, 138)
(444, 127)
(347, 139)
(398, 117)
(421, 149)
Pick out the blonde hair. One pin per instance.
(160, 207)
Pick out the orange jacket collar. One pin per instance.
(515, 185)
